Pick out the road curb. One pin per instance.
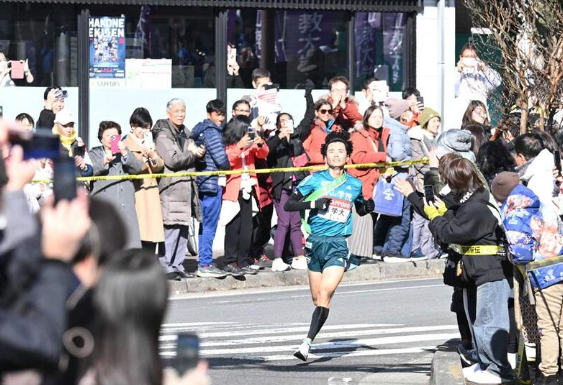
(369, 271)
(446, 369)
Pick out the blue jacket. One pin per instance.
(215, 159)
(530, 239)
(399, 146)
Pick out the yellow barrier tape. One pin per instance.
(237, 172)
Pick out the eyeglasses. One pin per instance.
(324, 111)
(242, 111)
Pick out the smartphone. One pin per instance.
(290, 126)
(38, 145)
(17, 70)
(251, 133)
(80, 151)
(61, 94)
(64, 179)
(557, 159)
(149, 142)
(420, 100)
(114, 144)
(187, 352)
(272, 86)
(429, 193)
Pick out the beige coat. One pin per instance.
(147, 199)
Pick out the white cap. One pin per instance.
(64, 117)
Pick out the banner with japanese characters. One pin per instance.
(107, 47)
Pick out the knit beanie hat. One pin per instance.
(396, 107)
(503, 184)
(427, 114)
(456, 141)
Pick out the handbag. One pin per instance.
(388, 201)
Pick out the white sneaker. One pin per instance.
(279, 265)
(303, 351)
(486, 377)
(299, 263)
(470, 370)
(512, 360)
(396, 260)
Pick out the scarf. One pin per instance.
(66, 142)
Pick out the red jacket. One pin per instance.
(232, 189)
(312, 144)
(365, 151)
(347, 117)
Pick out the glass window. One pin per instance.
(380, 48)
(306, 45)
(310, 45)
(38, 48)
(45, 37)
(182, 36)
(169, 53)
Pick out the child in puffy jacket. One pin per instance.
(533, 239)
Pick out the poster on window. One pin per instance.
(107, 47)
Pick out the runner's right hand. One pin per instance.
(321, 204)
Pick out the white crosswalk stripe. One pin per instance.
(277, 343)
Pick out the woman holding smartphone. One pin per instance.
(286, 150)
(240, 196)
(147, 200)
(114, 158)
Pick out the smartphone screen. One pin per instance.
(64, 179)
(429, 194)
(187, 352)
(17, 70)
(37, 145)
(114, 144)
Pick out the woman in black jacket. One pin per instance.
(286, 150)
(470, 228)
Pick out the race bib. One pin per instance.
(338, 211)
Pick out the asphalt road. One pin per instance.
(376, 333)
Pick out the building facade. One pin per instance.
(114, 56)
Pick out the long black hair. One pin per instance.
(494, 158)
(236, 129)
(129, 320)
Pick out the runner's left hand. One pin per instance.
(369, 205)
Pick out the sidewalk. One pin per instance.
(370, 270)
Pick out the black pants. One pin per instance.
(261, 227)
(238, 235)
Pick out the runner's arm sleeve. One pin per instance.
(295, 203)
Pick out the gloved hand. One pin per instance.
(442, 207)
(309, 85)
(321, 203)
(369, 205)
(432, 212)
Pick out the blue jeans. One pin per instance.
(210, 210)
(492, 326)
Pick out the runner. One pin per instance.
(329, 195)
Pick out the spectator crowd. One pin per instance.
(488, 200)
